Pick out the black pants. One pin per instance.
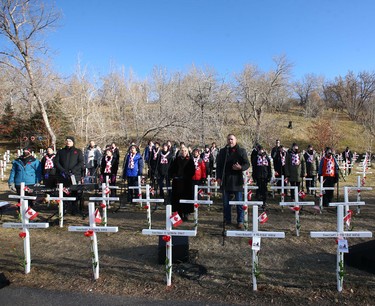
(262, 189)
(328, 194)
(292, 190)
(132, 181)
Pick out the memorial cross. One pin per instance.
(321, 190)
(342, 246)
(60, 200)
(255, 242)
(105, 198)
(168, 234)
(90, 231)
(26, 213)
(358, 188)
(296, 207)
(196, 203)
(148, 202)
(283, 189)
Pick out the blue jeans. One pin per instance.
(228, 208)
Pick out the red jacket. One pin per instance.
(200, 169)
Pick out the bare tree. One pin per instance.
(351, 93)
(255, 90)
(309, 89)
(22, 22)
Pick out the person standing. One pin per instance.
(279, 165)
(70, 167)
(200, 168)
(108, 168)
(181, 171)
(25, 169)
(93, 156)
(132, 169)
(164, 162)
(294, 168)
(208, 160)
(214, 152)
(275, 149)
(49, 168)
(329, 169)
(231, 162)
(347, 157)
(262, 174)
(312, 165)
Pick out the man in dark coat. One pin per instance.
(70, 166)
(231, 162)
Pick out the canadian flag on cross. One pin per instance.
(66, 191)
(263, 218)
(348, 217)
(302, 194)
(249, 194)
(176, 219)
(98, 217)
(31, 214)
(200, 192)
(107, 190)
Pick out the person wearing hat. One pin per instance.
(25, 169)
(329, 169)
(262, 174)
(70, 166)
(295, 168)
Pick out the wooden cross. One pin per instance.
(358, 188)
(296, 206)
(168, 234)
(105, 198)
(61, 200)
(255, 242)
(25, 225)
(90, 231)
(196, 203)
(321, 190)
(148, 202)
(340, 234)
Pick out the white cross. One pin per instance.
(340, 234)
(358, 188)
(321, 190)
(209, 187)
(61, 200)
(105, 198)
(168, 233)
(91, 231)
(364, 168)
(296, 207)
(256, 241)
(196, 203)
(283, 188)
(148, 202)
(25, 225)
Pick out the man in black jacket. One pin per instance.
(231, 162)
(70, 165)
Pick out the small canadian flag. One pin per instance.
(249, 194)
(348, 217)
(302, 194)
(176, 219)
(98, 217)
(263, 218)
(66, 191)
(200, 191)
(31, 214)
(107, 190)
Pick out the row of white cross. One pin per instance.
(169, 232)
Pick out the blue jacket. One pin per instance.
(30, 174)
(138, 166)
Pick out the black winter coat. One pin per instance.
(232, 180)
(70, 161)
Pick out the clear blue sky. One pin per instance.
(327, 37)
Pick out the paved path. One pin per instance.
(21, 296)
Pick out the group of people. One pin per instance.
(181, 168)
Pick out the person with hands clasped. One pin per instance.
(231, 162)
(295, 168)
(262, 174)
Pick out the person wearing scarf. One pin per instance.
(49, 168)
(279, 165)
(262, 174)
(108, 168)
(208, 160)
(164, 162)
(295, 168)
(312, 165)
(329, 169)
(132, 169)
(200, 168)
